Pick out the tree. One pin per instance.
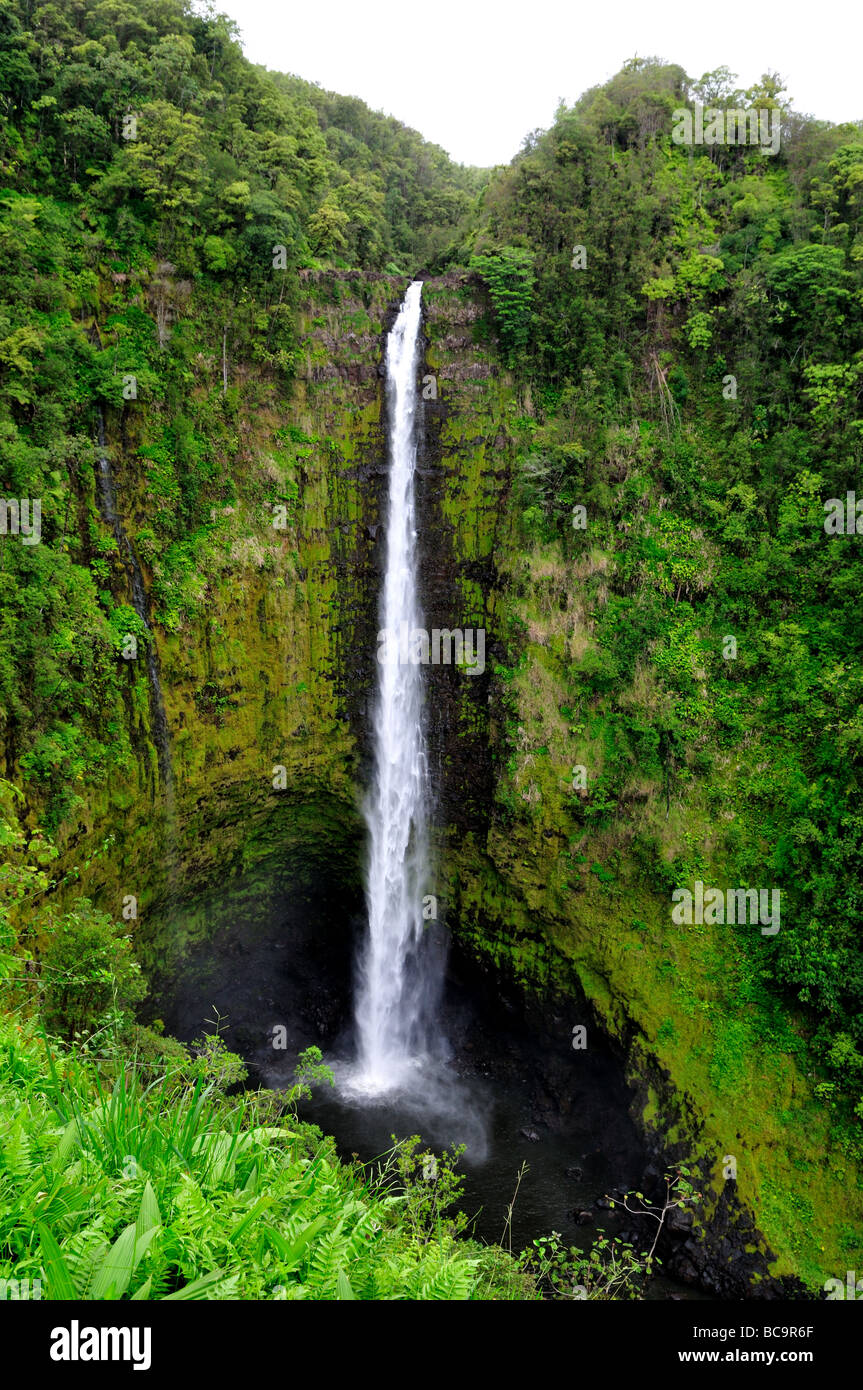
(167, 163)
(508, 274)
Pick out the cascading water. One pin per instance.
(400, 972)
(111, 516)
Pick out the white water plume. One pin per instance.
(400, 972)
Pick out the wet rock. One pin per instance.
(679, 1220)
(583, 1218)
(531, 1135)
(686, 1271)
(576, 1174)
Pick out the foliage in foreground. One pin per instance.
(158, 1186)
(127, 1170)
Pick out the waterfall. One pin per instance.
(158, 717)
(400, 974)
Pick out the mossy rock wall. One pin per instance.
(270, 668)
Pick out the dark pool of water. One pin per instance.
(512, 1090)
(495, 1121)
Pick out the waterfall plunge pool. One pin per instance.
(275, 949)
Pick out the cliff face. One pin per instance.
(466, 452)
(269, 678)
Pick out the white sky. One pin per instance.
(476, 77)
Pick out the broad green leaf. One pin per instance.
(60, 1285)
(291, 1254)
(256, 1209)
(198, 1288)
(70, 1140)
(115, 1268)
(149, 1213)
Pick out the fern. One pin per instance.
(214, 1205)
(453, 1281)
(330, 1254)
(16, 1152)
